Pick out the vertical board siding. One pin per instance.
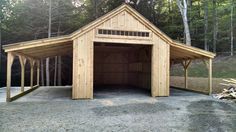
(83, 60)
(123, 20)
(160, 67)
(83, 66)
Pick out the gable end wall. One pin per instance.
(83, 51)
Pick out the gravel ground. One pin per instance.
(117, 109)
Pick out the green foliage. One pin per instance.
(28, 19)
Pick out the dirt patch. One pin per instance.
(197, 83)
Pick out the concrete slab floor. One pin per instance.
(116, 109)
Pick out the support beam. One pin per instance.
(38, 71)
(208, 63)
(210, 76)
(10, 59)
(32, 72)
(186, 78)
(186, 64)
(23, 93)
(22, 63)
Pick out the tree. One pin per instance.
(232, 28)
(42, 72)
(55, 71)
(4, 8)
(49, 35)
(182, 4)
(59, 70)
(215, 25)
(206, 47)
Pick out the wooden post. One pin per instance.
(38, 71)
(210, 76)
(32, 72)
(209, 67)
(10, 59)
(186, 78)
(22, 63)
(155, 72)
(186, 64)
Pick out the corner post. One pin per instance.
(32, 72)
(210, 76)
(10, 59)
(22, 63)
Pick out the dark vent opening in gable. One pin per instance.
(123, 33)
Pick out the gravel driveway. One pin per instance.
(117, 109)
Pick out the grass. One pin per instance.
(223, 67)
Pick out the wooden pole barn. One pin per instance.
(121, 48)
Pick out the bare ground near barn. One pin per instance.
(117, 109)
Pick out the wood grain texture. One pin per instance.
(10, 59)
(160, 67)
(32, 62)
(22, 63)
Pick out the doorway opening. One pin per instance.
(122, 69)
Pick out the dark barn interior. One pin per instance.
(122, 65)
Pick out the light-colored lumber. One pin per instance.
(32, 62)
(10, 59)
(210, 76)
(229, 81)
(22, 63)
(23, 93)
(186, 64)
(38, 71)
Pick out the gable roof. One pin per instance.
(92, 25)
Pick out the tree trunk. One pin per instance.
(42, 72)
(215, 26)
(49, 18)
(49, 35)
(206, 47)
(189, 14)
(232, 28)
(58, 57)
(59, 71)
(47, 72)
(55, 72)
(183, 10)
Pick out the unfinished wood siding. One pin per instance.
(160, 67)
(83, 66)
(123, 20)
